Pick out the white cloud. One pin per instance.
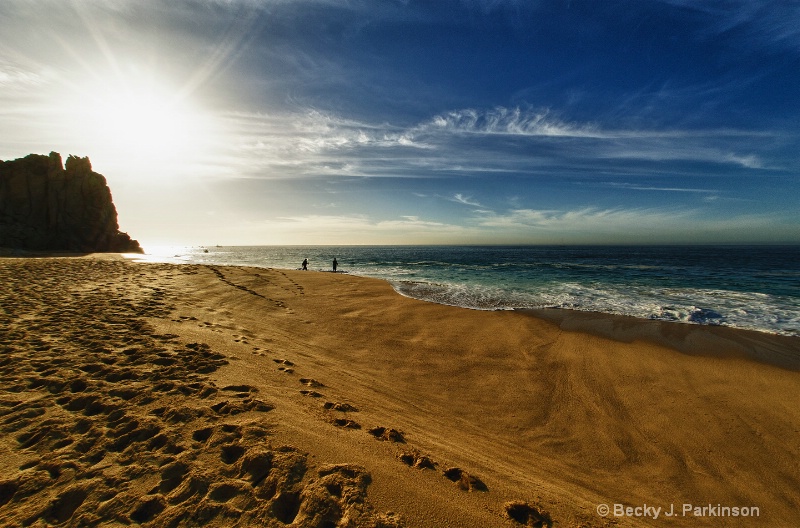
(519, 226)
(310, 142)
(314, 143)
(774, 23)
(589, 225)
(636, 187)
(750, 161)
(505, 121)
(350, 229)
(16, 77)
(466, 200)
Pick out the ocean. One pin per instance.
(748, 287)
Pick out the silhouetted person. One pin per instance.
(305, 264)
(335, 264)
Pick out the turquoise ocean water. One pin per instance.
(749, 287)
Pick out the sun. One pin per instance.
(142, 124)
(142, 121)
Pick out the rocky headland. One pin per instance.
(48, 206)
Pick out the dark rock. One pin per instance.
(45, 206)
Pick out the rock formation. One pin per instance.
(48, 207)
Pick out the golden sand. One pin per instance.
(192, 395)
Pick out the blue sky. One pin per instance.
(409, 122)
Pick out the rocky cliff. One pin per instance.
(47, 206)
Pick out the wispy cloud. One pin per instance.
(631, 225)
(636, 187)
(344, 229)
(584, 219)
(517, 226)
(15, 76)
(466, 200)
(771, 23)
(310, 142)
(504, 121)
(750, 161)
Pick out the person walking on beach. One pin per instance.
(305, 264)
(335, 264)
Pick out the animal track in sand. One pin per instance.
(311, 394)
(310, 382)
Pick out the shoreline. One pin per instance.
(689, 338)
(739, 289)
(754, 343)
(692, 339)
(150, 393)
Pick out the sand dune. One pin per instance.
(189, 395)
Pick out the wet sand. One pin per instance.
(168, 395)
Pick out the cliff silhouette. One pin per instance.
(46, 206)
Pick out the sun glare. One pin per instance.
(141, 124)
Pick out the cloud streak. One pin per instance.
(586, 225)
(505, 122)
(313, 143)
(465, 200)
(772, 23)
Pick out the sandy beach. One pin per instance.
(186, 395)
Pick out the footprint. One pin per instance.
(310, 382)
(172, 476)
(147, 509)
(231, 453)
(347, 424)
(387, 434)
(235, 407)
(61, 510)
(528, 515)
(201, 435)
(284, 362)
(311, 394)
(78, 385)
(225, 491)
(417, 460)
(240, 388)
(139, 434)
(7, 490)
(464, 480)
(343, 407)
(257, 465)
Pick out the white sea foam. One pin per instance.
(708, 307)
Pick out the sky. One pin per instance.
(255, 122)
